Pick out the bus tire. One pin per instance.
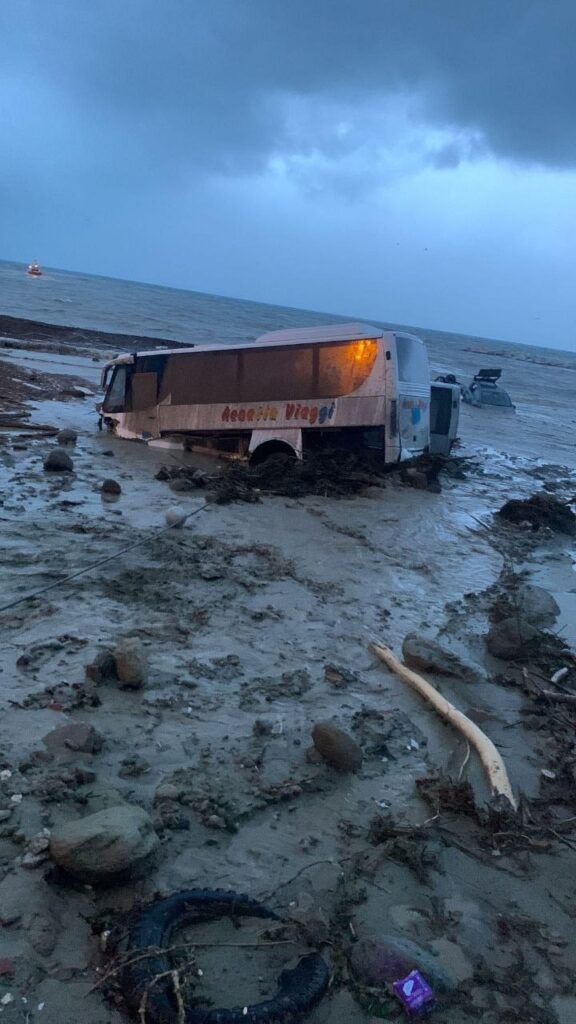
(268, 448)
(298, 991)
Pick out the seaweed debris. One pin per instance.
(540, 510)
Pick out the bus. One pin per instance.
(350, 386)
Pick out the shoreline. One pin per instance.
(37, 332)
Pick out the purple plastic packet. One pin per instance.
(415, 994)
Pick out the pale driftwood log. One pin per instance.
(489, 756)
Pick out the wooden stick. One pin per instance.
(489, 756)
(559, 698)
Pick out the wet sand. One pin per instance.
(264, 613)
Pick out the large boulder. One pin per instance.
(507, 639)
(77, 737)
(336, 747)
(530, 603)
(106, 844)
(424, 654)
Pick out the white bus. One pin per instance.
(340, 386)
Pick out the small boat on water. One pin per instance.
(34, 269)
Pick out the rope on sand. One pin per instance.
(103, 561)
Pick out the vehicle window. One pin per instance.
(345, 366)
(412, 360)
(272, 374)
(116, 396)
(201, 378)
(143, 391)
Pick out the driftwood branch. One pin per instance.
(489, 755)
(559, 698)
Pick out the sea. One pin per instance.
(174, 314)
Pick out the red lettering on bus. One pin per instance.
(289, 410)
(234, 415)
(241, 415)
(250, 415)
(226, 414)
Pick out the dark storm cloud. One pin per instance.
(214, 84)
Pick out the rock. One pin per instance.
(427, 655)
(311, 919)
(6, 967)
(40, 842)
(507, 639)
(533, 604)
(100, 797)
(105, 844)
(133, 766)
(166, 791)
(58, 461)
(111, 487)
(76, 736)
(377, 961)
(215, 821)
(130, 662)
(67, 437)
(262, 728)
(336, 747)
(175, 518)
(417, 478)
(42, 934)
(33, 860)
(181, 485)
(103, 668)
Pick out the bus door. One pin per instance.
(413, 395)
(143, 403)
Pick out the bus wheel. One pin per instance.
(268, 448)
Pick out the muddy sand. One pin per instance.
(246, 627)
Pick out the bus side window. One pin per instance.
(144, 391)
(344, 367)
(275, 374)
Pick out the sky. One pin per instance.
(411, 161)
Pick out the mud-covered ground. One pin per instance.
(256, 621)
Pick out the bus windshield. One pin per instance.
(412, 360)
(116, 394)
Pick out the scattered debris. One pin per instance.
(330, 473)
(540, 510)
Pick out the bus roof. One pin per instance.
(292, 336)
